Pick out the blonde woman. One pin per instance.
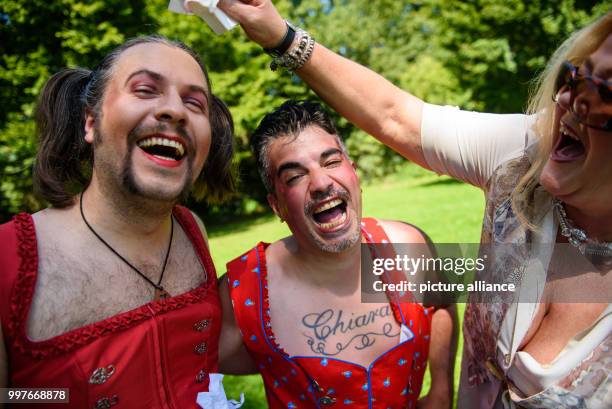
(547, 177)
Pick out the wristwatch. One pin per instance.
(285, 43)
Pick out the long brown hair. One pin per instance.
(64, 159)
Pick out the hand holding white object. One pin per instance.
(216, 19)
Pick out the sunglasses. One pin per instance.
(570, 80)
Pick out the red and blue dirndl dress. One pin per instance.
(393, 380)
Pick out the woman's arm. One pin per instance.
(359, 94)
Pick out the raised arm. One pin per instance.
(359, 94)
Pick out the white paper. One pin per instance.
(215, 397)
(207, 10)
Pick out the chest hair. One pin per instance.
(82, 282)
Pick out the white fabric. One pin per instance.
(469, 146)
(215, 397)
(207, 10)
(405, 334)
(530, 377)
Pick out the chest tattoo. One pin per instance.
(325, 329)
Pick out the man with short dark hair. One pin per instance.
(111, 292)
(297, 302)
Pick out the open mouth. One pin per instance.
(330, 214)
(162, 148)
(568, 148)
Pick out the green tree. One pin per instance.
(478, 54)
(37, 38)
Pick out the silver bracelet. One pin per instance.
(298, 53)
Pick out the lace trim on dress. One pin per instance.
(21, 297)
(265, 301)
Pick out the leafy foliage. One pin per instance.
(37, 38)
(478, 54)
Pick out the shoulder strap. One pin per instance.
(192, 229)
(404, 309)
(246, 287)
(373, 230)
(18, 242)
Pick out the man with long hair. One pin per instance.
(94, 287)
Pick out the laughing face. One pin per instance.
(316, 190)
(579, 168)
(153, 134)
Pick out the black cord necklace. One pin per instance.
(160, 292)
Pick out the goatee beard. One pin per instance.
(127, 177)
(129, 182)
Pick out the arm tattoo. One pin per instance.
(329, 323)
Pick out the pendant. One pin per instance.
(161, 294)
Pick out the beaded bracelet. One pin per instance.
(297, 55)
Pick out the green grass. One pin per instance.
(447, 210)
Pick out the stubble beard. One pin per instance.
(338, 246)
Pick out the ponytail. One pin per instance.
(217, 181)
(60, 170)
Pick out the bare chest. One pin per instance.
(339, 328)
(80, 283)
(576, 293)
